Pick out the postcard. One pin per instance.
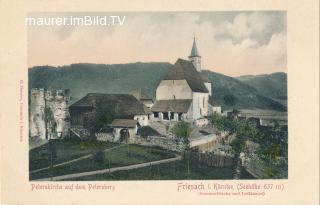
(184, 104)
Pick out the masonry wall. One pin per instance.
(173, 89)
(36, 114)
(200, 105)
(142, 119)
(208, 86)
(54, 101)
(164, 142)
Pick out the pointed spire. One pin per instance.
(194, 50)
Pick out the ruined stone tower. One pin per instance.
(48, 113)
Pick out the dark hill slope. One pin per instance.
(122, 78)
(270, 85)
(233, 93)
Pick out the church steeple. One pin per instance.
(194, 57)
(194, 50)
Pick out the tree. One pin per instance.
(99, 156)
(105, 114)
(183, 131)
(273, 140)
(222, 123)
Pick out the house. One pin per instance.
(124, 130)
(142, 97)
(99, 109)
(215, 106)
(184, 92)
(259, 117)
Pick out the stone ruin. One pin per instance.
(49, 116)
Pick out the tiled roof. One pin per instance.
(140, 95)
(126, 105)
(172, 106)
(184, 70)
(146, 131)
(124, 123)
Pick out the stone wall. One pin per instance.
(199, 105)
(48, 113)
(164, 142)
(36, 114)
(173, 89)
(104, 136)
(202, 122)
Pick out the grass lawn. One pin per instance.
(65, 150)
(169, 171)
(113, 158)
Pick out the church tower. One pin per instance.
(194, 57)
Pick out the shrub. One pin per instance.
(99, 156)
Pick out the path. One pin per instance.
(73, 160)
(103, 171)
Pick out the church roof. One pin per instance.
(194, 50)
(184, 70)
(171, 105)
(125, 104)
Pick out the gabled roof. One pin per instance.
(125, 104)
(146, 131)
(184, 70)
(140, 95)
(124, 123)
(171, 105)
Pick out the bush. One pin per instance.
(99, 156)
(183, 131)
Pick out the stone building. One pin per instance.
(142, 97)
(185, 92)
(48, 113)
(124, 130)
(89, 110)
(215, 107)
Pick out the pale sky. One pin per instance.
(231, 43)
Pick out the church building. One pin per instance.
(185, 93)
